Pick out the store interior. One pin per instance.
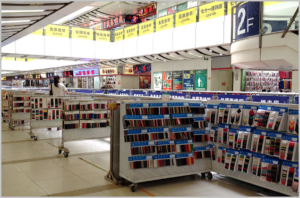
(182, 98)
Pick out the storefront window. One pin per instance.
(167, 80)
(201, 80)
(181, 7)
(157, 76)
(145, 82)
(177, 80)
(188, 80)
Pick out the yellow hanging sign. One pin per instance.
(57, 31)
(8, 58)
(267, 3)
(82, 33)
(230, 4)
(186, 17)
(164, 23)
(102, 35)
(119, 35)
(38, 32)
(211, 10)
(21, 59)
(130, 32)
(146, 28)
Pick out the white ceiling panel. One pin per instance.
(33, 18)
(20, 14)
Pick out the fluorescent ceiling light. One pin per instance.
(12, 11)
(19, 21)
(102, 15)
(93, 18)
(73, 15)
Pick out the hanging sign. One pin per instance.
(201, 80)
(9, 58)
(130, 32)
(247, 20)
(186, 17)
(146, 28)
(119, 35)
(112, 105)
(68, 73)
(38, 32)
(86, 72)
(114, 21)
(57, 31)
(211, 10)
(138, 69)
(164, 23)
(102, 35)
(148, 10)
(230, 4)
(82, 33)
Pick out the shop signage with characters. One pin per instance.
(211, 10)
(148, 10)
(119, 20)
(138, 69)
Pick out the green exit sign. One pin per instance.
(205, 58)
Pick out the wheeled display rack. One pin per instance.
(149, 174)
(73, 129)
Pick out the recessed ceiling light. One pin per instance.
(210, 50)
(221, 54)
(12, 11)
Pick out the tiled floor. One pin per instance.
(34, 168)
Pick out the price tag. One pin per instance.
(149, 157)
(231, 99)
(294, 139)
(185, 104)
(166, 129)
(166, 116)
(263, 101)
(276, 101)
(226, 99)
(144, 131)
(165, 104)
(264, 133)
(222, 98)
(241, 99)
(144, 117)
(189, 115)
(236, 99)
(151, 143)
(146, 105)
(269, 101)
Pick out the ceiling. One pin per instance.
(20, 18)
(104, 10)
(207, 52)
(17, 16)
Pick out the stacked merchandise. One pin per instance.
(264, 143)
(169, 136)
(260, 80)
(80, 114)
(5, 106)
(285, 80)
(20, 105)
(46, 108)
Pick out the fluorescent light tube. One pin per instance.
(73, 15)
(19, 21)
(13, 11)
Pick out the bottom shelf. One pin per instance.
(81, 134)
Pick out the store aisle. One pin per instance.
(34, 168)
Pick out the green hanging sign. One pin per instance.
(201, 80)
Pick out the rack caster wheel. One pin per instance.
(209, 176)
(31, 137)
(35, 138)
(59, 151)
(123, 181)
(133, 188)
(66, 155)
(203, 175)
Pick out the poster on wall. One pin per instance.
(157, 76)
(201, 80)
(177, 80)
(145, 82)
(188, 80)
(167, 80)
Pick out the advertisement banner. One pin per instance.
(188, 80)
(130, 32)
(82, 33)
(211, 10)
(201, 80)
(177, 80)
(167, 80)
(164, 23)
(148, 10)
(186, 17)
(247, 20)
(146, 28)
(38, 32)
(157, 80)
(102, 35)
(57, 31)
(138, 69)
(119, 35)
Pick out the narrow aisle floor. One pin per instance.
(34, 168)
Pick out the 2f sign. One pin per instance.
(247, 20)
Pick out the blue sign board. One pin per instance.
(247, 20)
